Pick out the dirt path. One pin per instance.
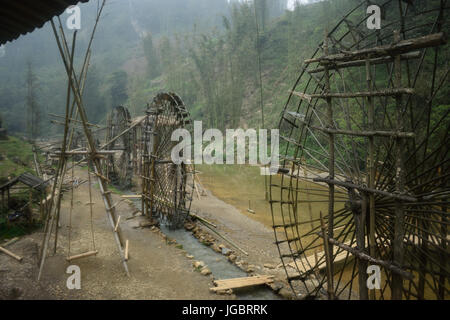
(158, 270)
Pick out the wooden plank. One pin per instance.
(240, 279)
(9, 253)
(235, 283)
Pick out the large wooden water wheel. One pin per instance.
(119, 168)
(166, 187)
(364, 144)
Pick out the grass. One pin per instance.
(17, 230)
(111, 188)
(17, 157)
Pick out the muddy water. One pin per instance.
(244, 187)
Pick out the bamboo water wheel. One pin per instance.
(119, 167)
(365, 158)
(167, 188)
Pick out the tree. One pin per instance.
(153, 63)
(118, 88)
(92, 97)
(33, 109)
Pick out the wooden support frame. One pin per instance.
(75, 88)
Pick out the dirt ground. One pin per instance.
(159, 270)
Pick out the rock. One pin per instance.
(232, 257)
(276, 286)
(226, 251)
(225, 292)
(205, 271)
(148, 224)
(189, 256)
(251, 268)
(216, 248)
(198, 264)
(189, 226)
(221, 246)
(269, 266)
(286, 293)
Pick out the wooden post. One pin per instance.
(30, 205)
(328, 259)
(331, 171)
(126, 250)
(398, 250)
(371, 169)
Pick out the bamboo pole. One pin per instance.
(225, 238)
(331, 199)
(82, 255)
(398, 250)
(400, 47)
(117, 224)
(9, 253)
(126, 250)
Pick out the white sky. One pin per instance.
(291, 3)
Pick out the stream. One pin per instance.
(218, 264)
